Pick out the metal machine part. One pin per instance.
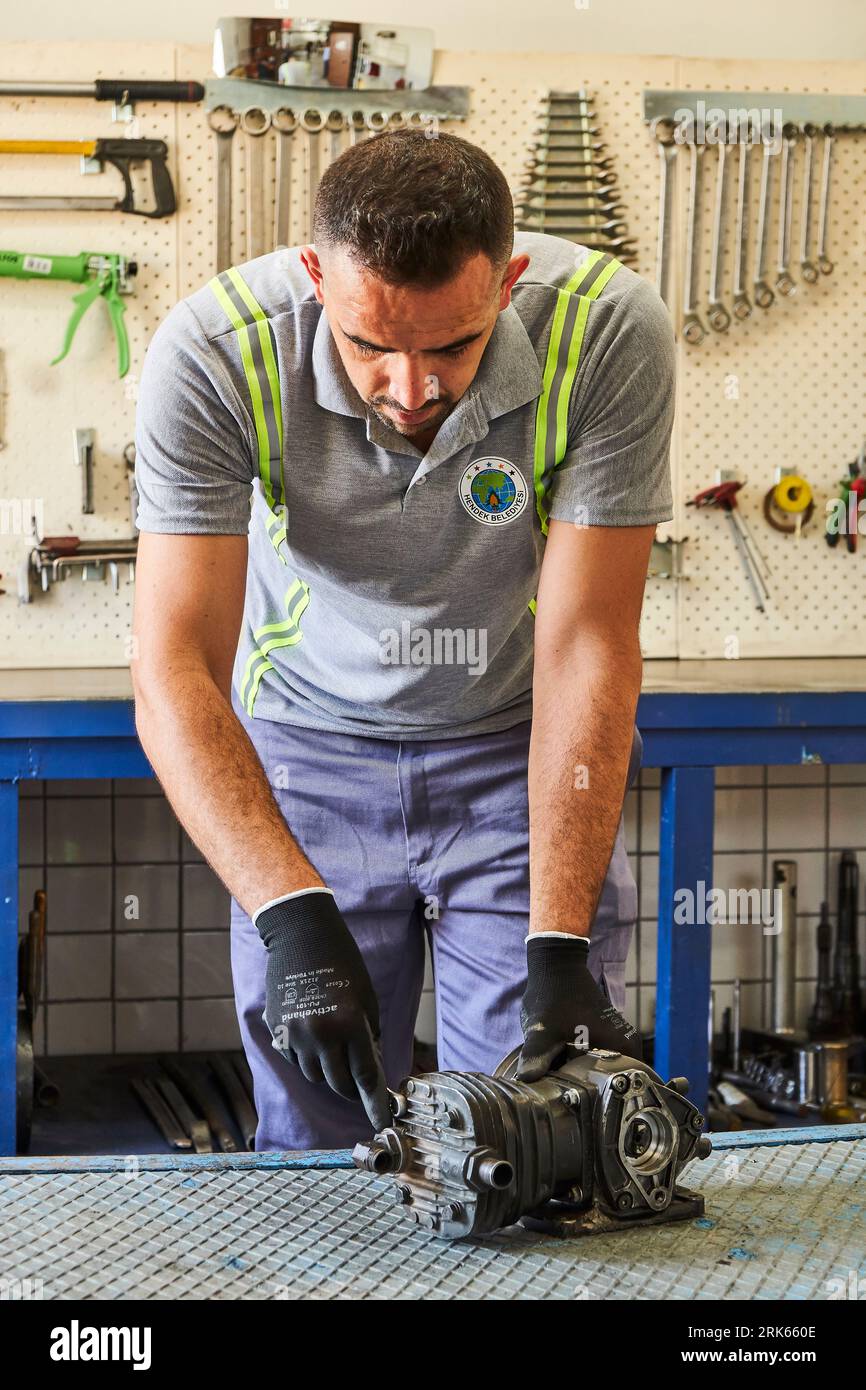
(784, 976)
(821, 1017)
(798, 1077)
(847, 999)
(597, 1144)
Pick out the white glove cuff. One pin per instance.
(285, 898)
(566, 935)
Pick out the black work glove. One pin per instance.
(560, 997)
(320, 1005)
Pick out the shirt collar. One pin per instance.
(331, 385)
(508, 375)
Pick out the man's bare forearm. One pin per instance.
(217, 786)
(582, 726)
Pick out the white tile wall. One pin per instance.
(808, 814)
(138, 955)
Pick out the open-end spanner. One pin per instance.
(567, 140)
(561, 188)
(530, 207)
(717, 315)
(693, 330)
(784, 283)
(742, 307)
(808, 268)
(553, 159)
(565, 224)
(621, 247)
(761, 292)
(576, 124)
(601, 200)
(577, 171)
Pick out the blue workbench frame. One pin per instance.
(687, 735)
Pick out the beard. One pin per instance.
(437, 413)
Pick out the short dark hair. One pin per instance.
(412, 207)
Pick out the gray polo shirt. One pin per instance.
(391, 593)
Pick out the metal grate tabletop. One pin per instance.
(785, 1217)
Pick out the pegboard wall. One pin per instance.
(784, 388)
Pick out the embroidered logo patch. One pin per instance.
(493, 491)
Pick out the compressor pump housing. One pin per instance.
(596, 1144)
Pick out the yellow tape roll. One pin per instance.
(792, 494)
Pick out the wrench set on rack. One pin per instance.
(762, 270)
(278, 207)
(569, 188)
(768, 184)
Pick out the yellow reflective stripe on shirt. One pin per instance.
(259, 362)
(560, 369)
(282, 634)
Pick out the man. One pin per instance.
(456, 445)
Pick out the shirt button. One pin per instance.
(421, 480)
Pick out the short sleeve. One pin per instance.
(193, 459)
(616, 470)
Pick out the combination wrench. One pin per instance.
(761, 292)
(808, 268)
(255, 123)
(693, 330)
(742, 307)
(825, 265)
(663, 130)
(334, 125)
(717, 315)
(223, 122)
(285, 123)
(784, 283)
(312, 122)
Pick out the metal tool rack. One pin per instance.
(785, 1219)
(690, 725)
